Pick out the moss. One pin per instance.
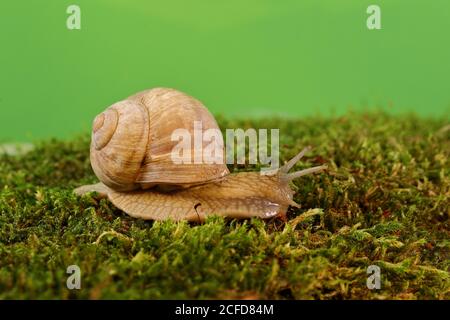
(383, 202)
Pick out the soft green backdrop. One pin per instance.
(242, 58)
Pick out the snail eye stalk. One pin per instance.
(298, 174)
(284, 170)
(291, 163)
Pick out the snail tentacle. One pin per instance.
(291, 163)
(284, 170)
(298, 174)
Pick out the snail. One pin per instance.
(130, 153)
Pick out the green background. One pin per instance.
(241, 58)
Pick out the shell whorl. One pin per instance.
(119, 142)
(104, 126)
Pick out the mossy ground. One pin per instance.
(384, 201)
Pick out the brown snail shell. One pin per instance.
(131, 142)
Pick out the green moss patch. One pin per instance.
(384, 201)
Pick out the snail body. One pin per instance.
(182, 192)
